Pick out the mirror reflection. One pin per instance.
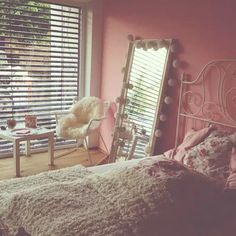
(139, 104)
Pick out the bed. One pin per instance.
(187, 191)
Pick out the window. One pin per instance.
(39, 62)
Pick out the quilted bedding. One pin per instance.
(157, 196)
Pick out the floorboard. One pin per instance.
(37, 163)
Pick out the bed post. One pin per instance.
(179, 110)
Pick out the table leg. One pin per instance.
(27, 148)
(51, 149)
(16, 155)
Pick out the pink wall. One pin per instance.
(205, 29)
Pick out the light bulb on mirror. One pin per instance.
(171, 82)
(155, 45)
(130, 37)
(173, 47)
(158, 133)
(139, 44)
(125, 116)
(123, 70)
(122, 143)
(118, 99)
(168, 100)
(128, 86)
(163, 117)
(163, 44)
(150, 44)
(147, 149)
(176, 63)
(145, 46)
(121, 129)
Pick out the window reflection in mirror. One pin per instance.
(141, 98)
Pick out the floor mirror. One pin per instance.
(140, 102)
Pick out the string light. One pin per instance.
(163, 117)
(168, 100)
(158, 133)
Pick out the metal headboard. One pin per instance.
(210, 98)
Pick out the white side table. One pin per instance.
(37, 133)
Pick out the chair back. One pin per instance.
(87, 108)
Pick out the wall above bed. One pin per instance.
(205, 29)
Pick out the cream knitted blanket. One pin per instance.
(142, 200)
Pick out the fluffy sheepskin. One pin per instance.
(74, 125)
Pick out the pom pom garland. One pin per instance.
(168, 100)
(158, 133)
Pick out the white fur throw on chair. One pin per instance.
(74, 125)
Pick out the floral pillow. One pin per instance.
(191, 139)
(212, 156)
(231, 181)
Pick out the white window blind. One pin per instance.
(39, 62)
(146, 76)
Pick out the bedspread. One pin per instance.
(157, 197)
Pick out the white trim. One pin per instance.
(83, 40)
(93, 48)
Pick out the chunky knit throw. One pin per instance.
(155, 197)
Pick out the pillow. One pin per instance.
(195, 137)
(231, 181)
(232, 166)
(191, 139)
(212, 156)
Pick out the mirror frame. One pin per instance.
(121, 100)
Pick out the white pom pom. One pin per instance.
(122, 143)
(125, 116)
(163, 44)
(168, 100)
(158, 133)
(150, 44)
(130, 37)
(118, 99)
(176, 63)
(121, 152)
(171, 82)
(121, 129)
(147, 149)
(116, 142)
(139, 44)
(128, 86)
(173, 47)
(123, 70)
(163, 117)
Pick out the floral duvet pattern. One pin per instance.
(211, 157)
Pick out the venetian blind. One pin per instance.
(39, 62)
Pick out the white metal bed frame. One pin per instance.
(198, 103)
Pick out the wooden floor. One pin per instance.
(37, 163)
